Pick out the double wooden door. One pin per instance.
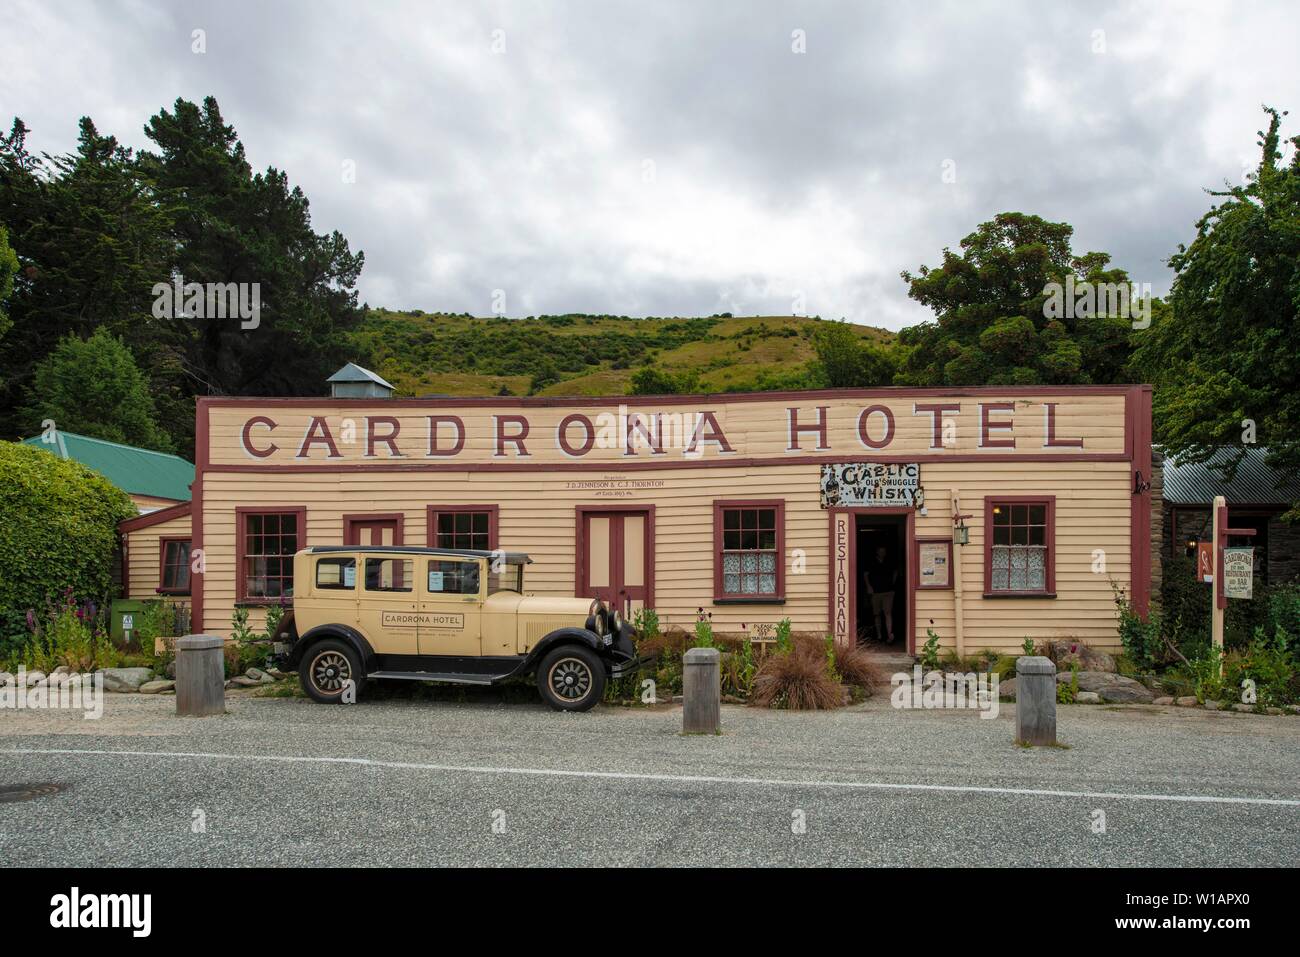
(616, 557)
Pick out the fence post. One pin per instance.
(1035, 700)
(200, 675)
(701, 691)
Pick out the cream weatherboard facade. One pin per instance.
(719, 503)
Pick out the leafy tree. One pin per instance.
(92, 242)
(1225, 352)
(990, 324)
(231, 225)
(94, 388)
(8, 267)
(848, 361)
(98, 229)
(545, 375)
(650, 381)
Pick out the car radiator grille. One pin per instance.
(535, 629)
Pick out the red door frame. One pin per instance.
(352, 525)
(909, 550)
(581, 514)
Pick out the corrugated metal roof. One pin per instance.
(135, 471)
(1256, 482)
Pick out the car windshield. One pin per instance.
(505, 578)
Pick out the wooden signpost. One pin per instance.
(1221, 593)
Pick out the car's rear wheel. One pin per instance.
(571, 678)
(327, 669)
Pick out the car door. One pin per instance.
(335, 593)
(388, 607)
(451, 606)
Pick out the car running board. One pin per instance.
(451, 678)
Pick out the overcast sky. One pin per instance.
(683, 158)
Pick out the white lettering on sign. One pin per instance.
(868, 484)
(1065, 422)
(128, 622)
(840, 595)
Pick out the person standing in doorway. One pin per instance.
(881, 579)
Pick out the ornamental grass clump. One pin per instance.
(855, 668)
(798, 679)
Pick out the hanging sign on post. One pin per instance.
(1238, 571)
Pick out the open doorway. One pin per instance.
(882, 585)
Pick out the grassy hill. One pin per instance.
(431, 353)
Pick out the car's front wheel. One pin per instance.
(571, 678)
(328, 670)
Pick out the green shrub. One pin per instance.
(1068, 694)
(1283, 614)
(704, 630)
(1268, 663)
(832, 668)
(930, 650)
(239, 629)
(784, 637)
(58, 531)
(1004, 667)
(1141, 639)
(646, 623)
(67, 632)
(1206, 674)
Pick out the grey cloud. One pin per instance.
(774, 173)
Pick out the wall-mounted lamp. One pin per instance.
(960, 531)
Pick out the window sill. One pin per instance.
(758, 600)
(1020, 594)
(172, 592)
(263, 602)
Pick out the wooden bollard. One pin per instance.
(200, 675)
(1035, 700)
(701, 691)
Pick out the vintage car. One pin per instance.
(446, 615)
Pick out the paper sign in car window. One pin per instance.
(349, 576)
(435, 581)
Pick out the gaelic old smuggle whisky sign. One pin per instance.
(871, 484)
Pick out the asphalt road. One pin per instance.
(406, 782)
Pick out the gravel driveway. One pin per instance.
(396, 782)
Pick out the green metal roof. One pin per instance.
(134, 471)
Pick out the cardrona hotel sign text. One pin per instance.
(298, 434)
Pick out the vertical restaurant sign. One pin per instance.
(871, 484)
(841, 577)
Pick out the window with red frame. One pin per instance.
(175, 577)
(270, 541)
(749, 550)
(462, 529)
(1020, 560)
